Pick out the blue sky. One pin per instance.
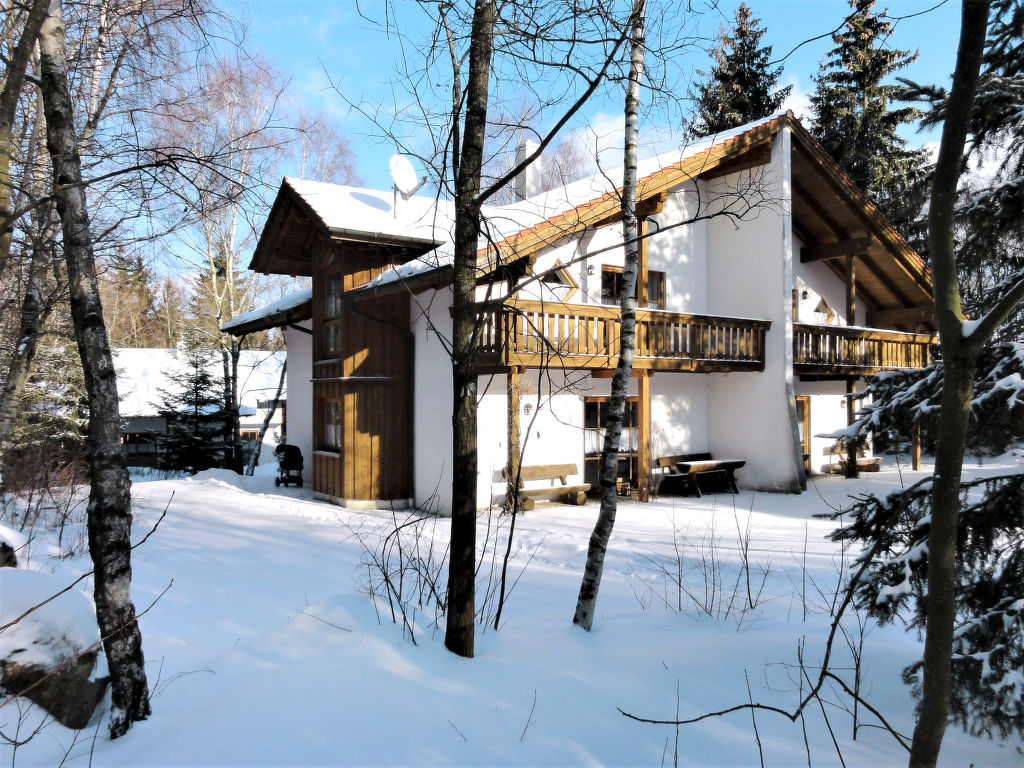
(314, 42)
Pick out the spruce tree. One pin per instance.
(741, 87)
(193, 409)
(853, 120)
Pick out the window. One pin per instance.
(138, 443)
(332, 316)
(332, 296)
(331, 438)
(611, 287)
(249, 438)
(559, 282)
(595, 414)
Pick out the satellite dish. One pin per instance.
(404, 176)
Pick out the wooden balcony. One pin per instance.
(533, 334)
(832, 350)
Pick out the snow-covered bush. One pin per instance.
(895, 401)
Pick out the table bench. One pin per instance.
(682, 472)
(571, 494)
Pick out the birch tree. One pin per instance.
(109, 508)
(598, 546)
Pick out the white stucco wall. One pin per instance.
(750, 275)
(819, 281)
(681, 252)
(551, 433)
(299, 416)
(679, 414)
(432, 401)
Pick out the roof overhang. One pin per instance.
(283, 317)
(286, 244)
(836, 222)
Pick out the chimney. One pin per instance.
(527, 182)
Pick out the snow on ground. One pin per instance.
(266, 651)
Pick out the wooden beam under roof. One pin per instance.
(905, 316)
(854, 246)
(644, 208)
(760, 154)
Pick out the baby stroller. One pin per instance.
(289, 465)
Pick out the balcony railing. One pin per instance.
(539, 334)
(841, 350)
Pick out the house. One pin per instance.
(769, 285)
(143, 374)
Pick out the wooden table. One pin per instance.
(693, 469)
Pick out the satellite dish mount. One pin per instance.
(404, 176)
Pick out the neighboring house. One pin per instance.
(758, 315)
(143, 373)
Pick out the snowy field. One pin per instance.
(265, 648)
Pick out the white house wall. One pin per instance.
(681, 252)
(299, 415)
(679, 414)
(819, 281)
(750, 415)
(432, 401)
(551, 433)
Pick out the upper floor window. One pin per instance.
(332, 296)
(611, 287)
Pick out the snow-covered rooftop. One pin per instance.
(377, 213)
(279, 307)
(143, 372)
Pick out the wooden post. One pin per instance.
(851, 290)
(643, 415)
(512, 390)
(851, 447)
(915, 447)
(642, 298)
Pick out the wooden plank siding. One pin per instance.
(369, 374)
(586, 336)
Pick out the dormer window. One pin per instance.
(559, 282)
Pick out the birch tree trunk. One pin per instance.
(598, 546)
(109, 509)
(459, 631)
(959, 354)
(14, 78)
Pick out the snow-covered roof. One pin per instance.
(143, 372)
(374, 214)
(270, 315)
(349, 209)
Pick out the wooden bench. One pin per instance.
(680, 473)
(571, 494)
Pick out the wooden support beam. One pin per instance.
(644, 208)
(512, 391)
(851, 290)
(642, 272)
(915, 447)
(904, 318)
(643, 414)
(840, 249)
(851, 447)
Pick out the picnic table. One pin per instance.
(694, 468)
